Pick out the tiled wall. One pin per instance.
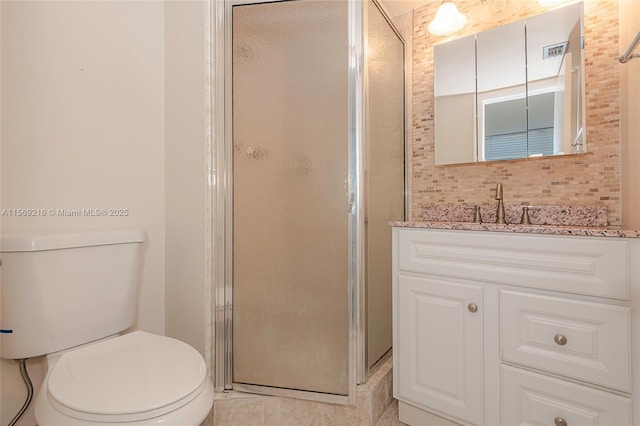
(592, 178)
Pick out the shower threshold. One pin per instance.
(236, 408)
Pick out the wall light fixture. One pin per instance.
(447, 21)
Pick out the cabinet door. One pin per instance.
(439, 346)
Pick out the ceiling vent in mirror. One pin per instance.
(554, 50)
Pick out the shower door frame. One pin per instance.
(221, 182)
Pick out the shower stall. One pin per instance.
(311, 171)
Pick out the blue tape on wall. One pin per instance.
(6, 331)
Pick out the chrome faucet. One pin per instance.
(500, 211)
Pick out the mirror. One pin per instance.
(502, 92)
(515, 91)
(455, 101)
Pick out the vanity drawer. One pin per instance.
(580, 265)
(584, 340)
(534, 399)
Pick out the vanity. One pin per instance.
(515, 324)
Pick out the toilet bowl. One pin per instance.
(137, 378)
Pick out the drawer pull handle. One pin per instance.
(560, 339)
(559, 421)
(473, 307)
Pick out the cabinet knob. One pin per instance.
(473, 307)
(559, 421)
(560, 339)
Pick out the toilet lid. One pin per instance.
(133, 374)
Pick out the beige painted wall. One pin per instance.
(630, 116)
(83, 122)
(186, 155)
(103, 106)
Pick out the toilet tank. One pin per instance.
(60, 290)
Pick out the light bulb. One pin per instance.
(448, 20)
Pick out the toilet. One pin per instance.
(68, 296)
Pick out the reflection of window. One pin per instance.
(505, 132)
(514, 145)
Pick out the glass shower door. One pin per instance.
(291, 196)
(385, 174)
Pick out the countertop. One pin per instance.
(591, 231)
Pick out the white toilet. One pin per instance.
(67, 296)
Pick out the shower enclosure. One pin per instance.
(313, 165)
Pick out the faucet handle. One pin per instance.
(500, 211)
(476, 217)
(525, 216)
(499, 191)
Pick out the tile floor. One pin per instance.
(390, 416)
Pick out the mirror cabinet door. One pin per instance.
(502, 93)
(554, 73)
(455, 101)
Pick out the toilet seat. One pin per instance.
(129, 378)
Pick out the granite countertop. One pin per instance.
(593, 231)
(549, 220)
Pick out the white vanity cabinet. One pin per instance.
(495, 328)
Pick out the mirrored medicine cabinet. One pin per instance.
(515, 91)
